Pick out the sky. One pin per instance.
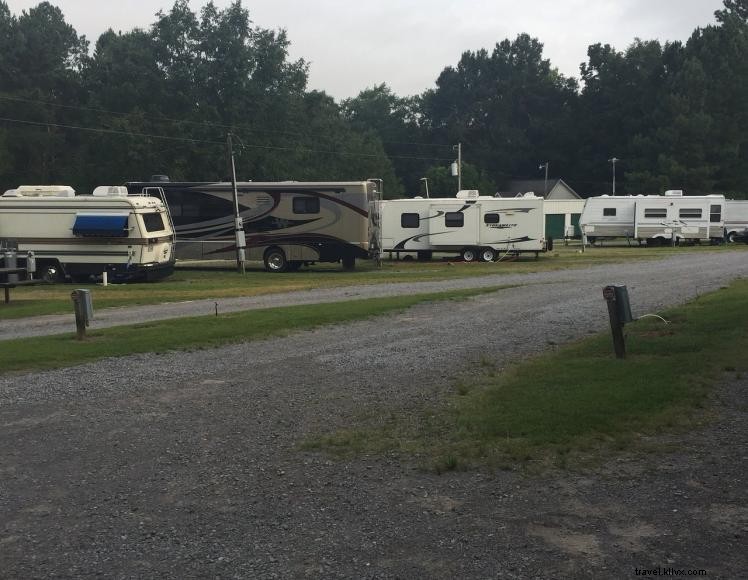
(351, 46)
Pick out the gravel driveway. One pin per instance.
(186, 464)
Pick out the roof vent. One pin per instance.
(159, 178)
(674, 193)
(110, 190)
(44, 191)
(468, 194)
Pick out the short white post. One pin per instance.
(104, 278)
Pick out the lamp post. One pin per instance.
(614, 160)
(426, 183)
(545, 185)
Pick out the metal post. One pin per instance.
(545, 185)
(614, 160)
(80, 316)
(459, 167)
(616, 324)
(238, 225)
(426, 183)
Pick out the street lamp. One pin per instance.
(545, 185)
(614, 160)
(426, 183)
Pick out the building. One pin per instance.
(563, 206)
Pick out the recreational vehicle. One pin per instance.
(655, 219)
(736, 220)
(76, 237)
(475, 226)
(286, 224)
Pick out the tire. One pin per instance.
(275, 260)
(349, 263)
(469, 255)
(730, 238)
(50, 272)
(487, 255)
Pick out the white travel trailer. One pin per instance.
(475, 226)
(286, 224)
(77, 237)
(655, 219)
(736, 220)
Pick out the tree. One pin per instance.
(510, 107)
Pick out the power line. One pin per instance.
(189, 122)
(197, 141)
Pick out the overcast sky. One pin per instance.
(406, 43)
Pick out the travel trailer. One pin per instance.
(79, 237)
(656, 219)
(475, 226)
(736, 220)
(286, 224)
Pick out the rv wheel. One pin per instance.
(275, 260)
(487, 255)
(468, 255)
(730, 238)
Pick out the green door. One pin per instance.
(554, 225)
(575, 224)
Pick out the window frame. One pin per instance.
(305, 200)
(452, 215)
(405, 224)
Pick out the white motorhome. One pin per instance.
(475, 226)
(736, 220)
(672, 217)
(78, 237)
(286, 223)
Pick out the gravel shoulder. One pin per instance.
(186, 464)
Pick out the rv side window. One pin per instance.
(655, 212)
(693, 213)
(491, 218)
(609, 211)
(153, 222)
(454, 219)
(306, 205)
(410, 220)
(715, 213)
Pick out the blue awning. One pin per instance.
(114, 226)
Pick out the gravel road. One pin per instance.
(186, 464)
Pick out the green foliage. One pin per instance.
(675, 114)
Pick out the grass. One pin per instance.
(201, 332)
(569, 404)
(193, 284)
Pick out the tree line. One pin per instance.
(163, 100)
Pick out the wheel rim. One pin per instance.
(276, 261)
(488, 255)
(468, 255)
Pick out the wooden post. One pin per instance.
(616, 325)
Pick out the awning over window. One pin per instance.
(114, 226)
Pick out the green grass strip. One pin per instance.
(202, 332)
(579, 398)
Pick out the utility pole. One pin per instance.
(545, 186)
(457, 166)
(614, 160)
(240, 240)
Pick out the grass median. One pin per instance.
(569, 404)
(214, 283)
(203, 332)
